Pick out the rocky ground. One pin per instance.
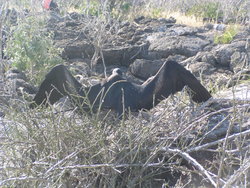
(140, 47)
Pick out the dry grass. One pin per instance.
(51, 148)
(186, 20)
(181, 18)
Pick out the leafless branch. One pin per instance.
(191, 160)
(24, 178)
(109, 165)
(204, 146)
(244, 167)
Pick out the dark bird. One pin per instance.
(117, 93)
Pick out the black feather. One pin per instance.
(116, 92)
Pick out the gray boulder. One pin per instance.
(204, 68)
(15, 74)
(181, 30)
(125, 55)
(142, 68)
(120, 45)
(201, 68)
(80, 67)
(162, 45)
(155, 25)
(225, 52)
(75, 49)
(16, 82)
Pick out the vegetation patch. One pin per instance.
(227, 36)
(31, 48)
(210, 11)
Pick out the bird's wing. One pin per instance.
(172, 77)
(199, 92)
(58, 83)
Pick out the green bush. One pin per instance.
(125, 7)
(96, 8)
(209, 10)
(31, 48)
(227, 36)
(92, 8)
(156, 12)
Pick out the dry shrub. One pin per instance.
(52, 148)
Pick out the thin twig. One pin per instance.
(201, 118)
(21, 179)
(61, 161)
(103, 63)
(91, 166)
(204, 146)
(244, 167)
(190, 159)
